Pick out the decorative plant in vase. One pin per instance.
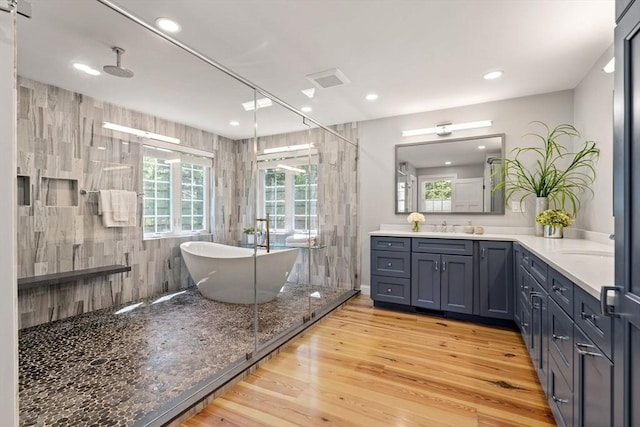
(551, 171)
(416, 218)
(554, 220)
(251, 232)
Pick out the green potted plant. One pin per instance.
(250, 233)
(550, 171)
(554, 221)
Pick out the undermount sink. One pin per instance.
(589, 252)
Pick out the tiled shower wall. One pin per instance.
(60, 136)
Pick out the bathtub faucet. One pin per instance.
(267, 243)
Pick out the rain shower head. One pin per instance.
(118, 70)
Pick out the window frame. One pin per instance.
(177, 160)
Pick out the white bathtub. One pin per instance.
(226, 273)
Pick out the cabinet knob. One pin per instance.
(389, 264)
(389, 244)
(389, 290)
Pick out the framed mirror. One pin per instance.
(452, 176)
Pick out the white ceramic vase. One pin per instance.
(553, 231)
(542, 204)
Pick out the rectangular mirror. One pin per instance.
(452, 176)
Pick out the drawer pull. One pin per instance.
(482, 252)
(389, 264)
(579, 349)
(389, 291)
(585, 316)
(559, 400)
(524, 324)
(558, 289)
(559, 337)
(389, 244)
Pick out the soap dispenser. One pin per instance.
(468, 228)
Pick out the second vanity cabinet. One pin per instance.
(442, 275)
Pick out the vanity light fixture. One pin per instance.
(234, 123)
(306, 109)
(260, 103)
(610, 67)
(140, 132)
(287, 148)
(492, 75)
(85, 68)
(309, 92)
(371, 97)
(168, 25)
(291, 168)
(447, 128)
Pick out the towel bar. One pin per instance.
(83, 192)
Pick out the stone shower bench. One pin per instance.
(69, 276)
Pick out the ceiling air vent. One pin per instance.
(328, 78)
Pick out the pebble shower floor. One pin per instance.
(108, 369)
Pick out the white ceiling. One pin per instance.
(417, 55)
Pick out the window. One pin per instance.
(436, 194)
(290, 198)
(176, 187)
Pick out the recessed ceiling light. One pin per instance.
(371, 97)
(261, 103)
(86, 69)
(168, 25)
(481, 147)
(309, 92)
(234, 123)
(447, 163)
(610, 67)
(101, 148)
(493, 75)
(306, 109)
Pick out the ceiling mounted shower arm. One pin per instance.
(124, 12)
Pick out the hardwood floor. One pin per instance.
(375, 367)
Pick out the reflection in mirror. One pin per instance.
(452, 176)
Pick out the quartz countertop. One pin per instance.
(590, 269)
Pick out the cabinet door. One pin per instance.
(593, 391)
(457, 284)
(496, 280)
(539, 330)
(425, 281)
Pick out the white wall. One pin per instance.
(8, 287)
(376, 161)
(593, 117)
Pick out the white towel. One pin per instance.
(118, 208)
(300, 240)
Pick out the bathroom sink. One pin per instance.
(589, 252)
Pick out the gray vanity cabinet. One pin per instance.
(496, 280)
(442, 275)
(391, 269)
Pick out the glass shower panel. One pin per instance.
(124, 171)
(286, 163)
(335, 257)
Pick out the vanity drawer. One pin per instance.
(561, 341)
(588, 317)
(560, 396)
(538, 269)
(561, 290)
(443, 246)
(391, 289)
(393, 264)
(397, 244)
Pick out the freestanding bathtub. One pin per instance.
(226, 273)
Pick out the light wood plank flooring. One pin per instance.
(367, 366)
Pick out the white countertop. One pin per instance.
(589, 271)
